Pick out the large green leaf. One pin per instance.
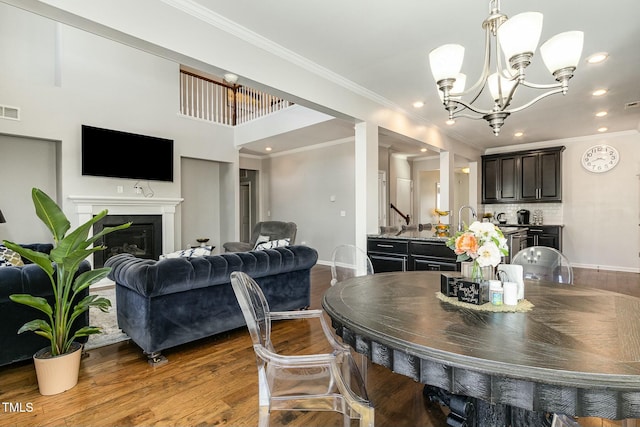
(89, 277)
(85, 331)
(50, 214)
(38, 303)
(38, 326)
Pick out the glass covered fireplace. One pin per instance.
(143, 239)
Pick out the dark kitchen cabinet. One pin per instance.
(388, 254)
(545, 235)
(540, 177)
(523, 176)
(499, 179)
(432, 256)
(408, 255)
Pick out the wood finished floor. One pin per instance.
(214, 381)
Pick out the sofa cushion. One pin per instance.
(261, 239)
(9, 257)
(189, 253)
(270, 244)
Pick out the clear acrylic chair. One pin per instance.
(560, 420)
(349, 261)
(317, 382)
(544, 263)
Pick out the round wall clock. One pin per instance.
(600, 158)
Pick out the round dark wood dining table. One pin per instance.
(577, 351)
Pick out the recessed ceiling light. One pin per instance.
(518, 134)
(268, 149)
(599, 92)
(601, 113)
(450, 122)
(603, 129)
(597, 57)
(424, 150)
(418, 104)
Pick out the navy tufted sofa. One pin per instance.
(162, 304)
(27, 279)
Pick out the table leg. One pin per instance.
(471, 412)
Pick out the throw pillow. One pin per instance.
(9, 258)
(272, 244)
(260, 240)
(189, 253)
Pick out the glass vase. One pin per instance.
(472, 270)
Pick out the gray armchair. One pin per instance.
(274, 230)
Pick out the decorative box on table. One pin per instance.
(449, 283)
(473, 292)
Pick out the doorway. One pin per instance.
(248, 203)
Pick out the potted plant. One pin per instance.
(61, 266)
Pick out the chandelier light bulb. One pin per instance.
(500, 85)
(446, 61)
(562, 50)
(520, 34)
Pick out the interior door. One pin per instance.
(245, 211)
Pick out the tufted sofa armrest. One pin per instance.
(153, 278)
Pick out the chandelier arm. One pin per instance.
(470, 107)
(466, 116)
(485, 69)
(533, 101)
(541, 86)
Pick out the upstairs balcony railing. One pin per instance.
(223, 103)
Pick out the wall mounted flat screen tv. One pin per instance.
(116, 154)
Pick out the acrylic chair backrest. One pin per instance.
(544, 263)
(349, 261)
(255, 309)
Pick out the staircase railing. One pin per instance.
(223, 103)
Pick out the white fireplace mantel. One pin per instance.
(87, 206)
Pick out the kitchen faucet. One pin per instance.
(473, 214)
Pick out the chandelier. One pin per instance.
(516, 39)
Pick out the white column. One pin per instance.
(446, 188)
(366, 185)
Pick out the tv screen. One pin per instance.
(117, 154)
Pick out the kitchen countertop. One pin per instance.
(430, 235)
(529, 225)
(426, 235)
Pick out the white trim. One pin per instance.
(87, 206)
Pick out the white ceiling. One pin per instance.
(382, 46)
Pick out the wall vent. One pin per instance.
(11, 113)
(634, 104)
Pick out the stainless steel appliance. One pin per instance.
(516, 241)
(523, 216)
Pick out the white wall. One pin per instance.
(601, 211)
(302, 185)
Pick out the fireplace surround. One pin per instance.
(165, 208)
